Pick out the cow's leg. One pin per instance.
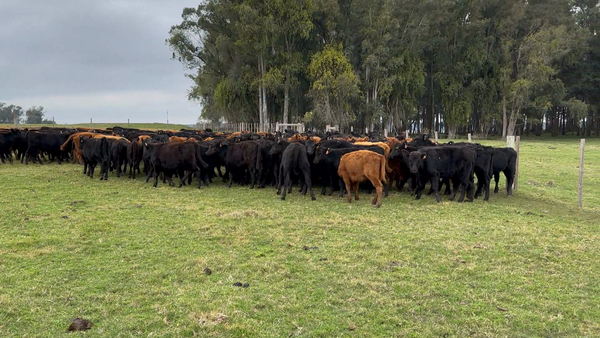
(420, 186)
(496, 178)
(308, 183)
(228, 169)
(252, 176)
(341, 184)
(348, 184)
(471, 188)
(279, 180)
(456, 185)
(287, 184)
(463, 186)
(510, 178)
(434, 184)
(106, 166)
(155, 178)
(355, 189)
(400, 184)
(386, 188)
(378, 191)
(487, 188)
(198, 174)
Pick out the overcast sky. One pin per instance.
(106, 60)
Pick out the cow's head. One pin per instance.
(322, 151)
(310, 147)
(416, 160)
(397, 151)
(277, 148)
(214, 147)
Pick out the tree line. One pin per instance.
(455, 66)
(13, 114)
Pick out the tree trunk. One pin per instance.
(512, 123)
(286, 98)
(261, 115)
(504, 120)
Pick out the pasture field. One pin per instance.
(132, 258)
(148, 126)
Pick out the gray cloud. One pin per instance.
(105, 60)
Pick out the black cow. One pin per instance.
(294, 161)
(172, 158)
(8, 139)
(483, 168)
(268, 166)
(94, 151)
(134, 157)
(422, 141)
(239, 158)
(45, 142)
(505, 160)
(452, 162)
(119, 155)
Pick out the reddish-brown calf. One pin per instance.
(362, 165)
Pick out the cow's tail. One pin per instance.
(382, 168)
(67, 142)
(259, 160)
(105, 146)
(490, 172)
(199, 157)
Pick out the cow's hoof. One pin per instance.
(313, 198)
(283, 198)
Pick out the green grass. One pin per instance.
(150, 126)
(131, 258)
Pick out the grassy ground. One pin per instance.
(132, 258)
(149, 126)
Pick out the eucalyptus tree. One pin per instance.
(334, 86)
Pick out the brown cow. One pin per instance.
(177, 139)
(362, 165)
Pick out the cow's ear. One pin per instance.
(424, 156)
(405, 153)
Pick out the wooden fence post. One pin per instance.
(469, 137)
(580, 190)
(406, 132)
(436, 136)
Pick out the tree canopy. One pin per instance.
(453, 66)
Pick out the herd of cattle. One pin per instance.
(339, 162)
